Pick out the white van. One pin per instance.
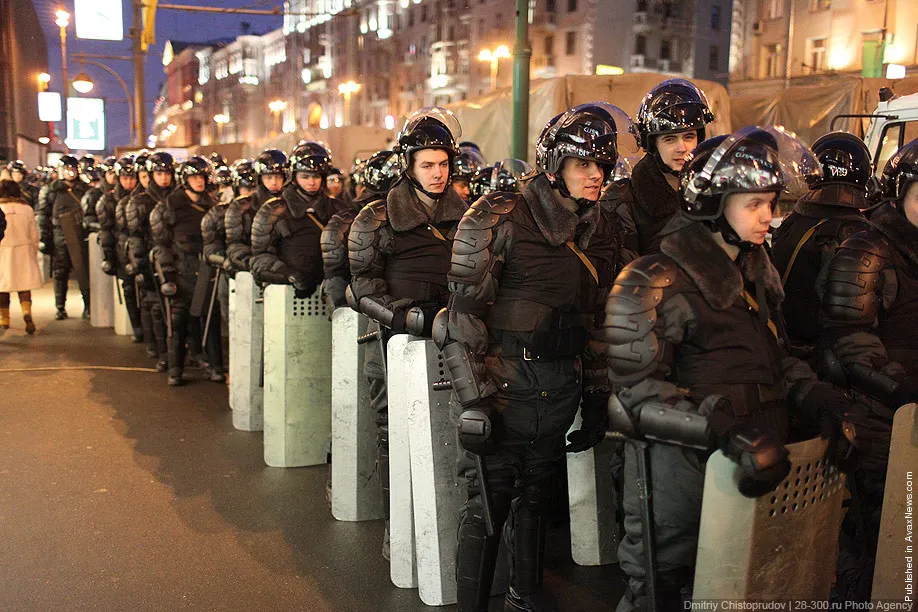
(893, 124)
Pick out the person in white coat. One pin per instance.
(19, 270)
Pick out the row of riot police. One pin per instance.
(538, 313)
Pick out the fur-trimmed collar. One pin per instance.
(721, 280)
(556, 223)
(901, 233)
(406, 211)
(299, 203)
(830, 201)
(652, 193)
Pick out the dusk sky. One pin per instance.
(170, 24)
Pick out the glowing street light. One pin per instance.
(494, 57)
(43, 79)
(347, 90)
(220, 119)
(63, 18)
(277, 107)
(82, 83)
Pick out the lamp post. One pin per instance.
(43, 79)
(84, 84)
(220, 119)
(276, 107)
(347, 90)
(62, 21)
(494, 57)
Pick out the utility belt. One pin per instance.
(535, 332)
(419, 291)
(759, 404)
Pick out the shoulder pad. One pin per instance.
(869, 241)
(367, 222)
(657, 271)
(486, 213)
(497, 203)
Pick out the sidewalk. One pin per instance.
(120, 493)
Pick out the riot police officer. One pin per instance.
(98, 187)
(286, 232)
(160, 168)
(113, 238)
(468, 162)
(869, 346)
(670, 123)
(378, 174)
(176, 227)
(271, 170)
(399, 249)
(697, 329)
(59, 204)
(19, 172)
(528, 279)
(821, 220)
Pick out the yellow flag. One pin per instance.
(148, 37)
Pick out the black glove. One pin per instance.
(762, 459)
(45, 247)
(475, 428)
(303, 286)
(109, 268)
(168, 289)
(593, 411)
(905, 393)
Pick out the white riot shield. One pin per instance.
(122, 322)
(356, 494)
(894, 572)
(101, 298)
(247, 314)
(781, 546)
(297, 376)
(591, 498)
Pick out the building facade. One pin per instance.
(370, 62)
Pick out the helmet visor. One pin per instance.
(438, 113)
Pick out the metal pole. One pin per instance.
(790, 45)
(124, 86)
(522, 53)
(66, 82)
(493, 73)
(140, 113)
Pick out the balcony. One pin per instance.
(644, 22)
(545, 20)
(640, 63)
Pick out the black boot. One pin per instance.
(60, 297)
(382, 471)
(526, 539)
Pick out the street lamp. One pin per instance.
(220, 119)
(276, 107)
(486, 55)
(62, 21)
(347, 90)
(82, 83)
(43, 79)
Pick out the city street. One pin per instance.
(119, 493)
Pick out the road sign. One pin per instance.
(99, 19)
(86, 124)
(49, 106)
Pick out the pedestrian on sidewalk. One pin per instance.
(19, 270)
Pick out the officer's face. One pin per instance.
(110, 177)
(244, 191)
(69, 173)
(461, 187)
(673, 148)
(335, 185)
(431, 169)
(910, 203)
(196, 183)
(128, 182)
(583, 178)
(144, 178)
(273, 182)
(310, 182)
(162, 178)
(750, 214)
(17, 176)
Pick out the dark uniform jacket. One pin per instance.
(335, 265)
(821, 220)
(59, 198)
(176, 227)
(240, 213)
(286, 234)
(137, 214)
(213, 231)
(88, 204)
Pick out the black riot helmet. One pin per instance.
(508, 173)
(480, 185)
(467, 163)
(223, 177)
(88, 162)
(588, 131)
(108, 164)
(272, 161)
(140, 162)
(18, 166)
(160, 161)
(311, 156)
(675, 105)
(196, 165)
(217, 160)
(901, 171)
(124, 166)
(68, 161)
(244, 175)
(844, 159)
(431, 127)
(753, 159)
(380, 172)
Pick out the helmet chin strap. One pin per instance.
(582, 203)
(720, 224)
(430, 194)
(663, 166)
